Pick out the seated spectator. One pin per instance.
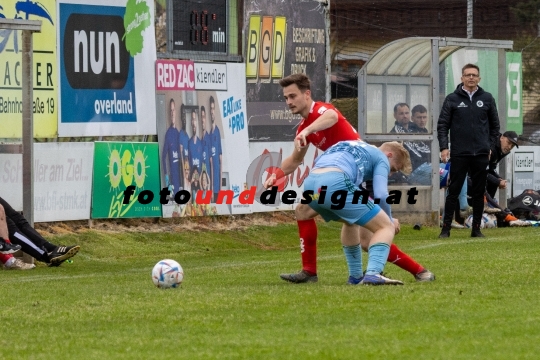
(10, 262)
(419, 151)
(21, 233)
(502, 148)
(419, 120)
(402, 115)
(6, 247)
(505, 217)
(526, 205)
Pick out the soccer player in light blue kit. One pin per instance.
(335, 195)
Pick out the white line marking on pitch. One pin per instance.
(44, 277)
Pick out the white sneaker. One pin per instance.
(456, 225)
(520, 223)
(464, 213)
(18, 264)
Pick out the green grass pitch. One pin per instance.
(233, 305)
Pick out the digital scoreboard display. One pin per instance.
(200, 25)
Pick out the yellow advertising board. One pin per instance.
(44, 70)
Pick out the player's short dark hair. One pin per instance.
(301, 80)
(398, 105)
(419, 109)
(203, 109)
(470, 66)
(212, 101)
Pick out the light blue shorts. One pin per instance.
(359, 213)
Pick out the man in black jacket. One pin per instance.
(502, 148)
(470, 115)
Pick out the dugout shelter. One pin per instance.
(409, 71)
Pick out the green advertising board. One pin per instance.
(118, 165)
(514, 94)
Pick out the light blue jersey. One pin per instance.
(360, 162)
(369, 160)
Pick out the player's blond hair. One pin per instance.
(401, 153)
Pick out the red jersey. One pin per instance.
(340, 131)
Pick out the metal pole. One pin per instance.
(328, 94)
(502, 109)
(27, 27)
(362, 103)
(469, 19)
(28, 127)
(434, 112)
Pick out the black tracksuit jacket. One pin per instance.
(473, 125)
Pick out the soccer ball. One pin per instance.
(468, 222)
(490, 221)
(167, 274)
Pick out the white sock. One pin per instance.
(10, 261)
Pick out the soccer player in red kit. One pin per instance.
(323, 126)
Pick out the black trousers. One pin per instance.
(21, 233)
(491, 189)
(476, 166)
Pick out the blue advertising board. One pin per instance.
(106, 57)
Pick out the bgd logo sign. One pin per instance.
(266, 47)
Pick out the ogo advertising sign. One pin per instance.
(118, 165)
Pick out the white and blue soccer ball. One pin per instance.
(468, 222)
(488, 221)
(167, 274)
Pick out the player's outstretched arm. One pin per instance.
(325, 121)
(288, 165)
(294, 160)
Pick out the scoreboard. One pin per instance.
(200, 25)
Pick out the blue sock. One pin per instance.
(377, 256)
(353, 254)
